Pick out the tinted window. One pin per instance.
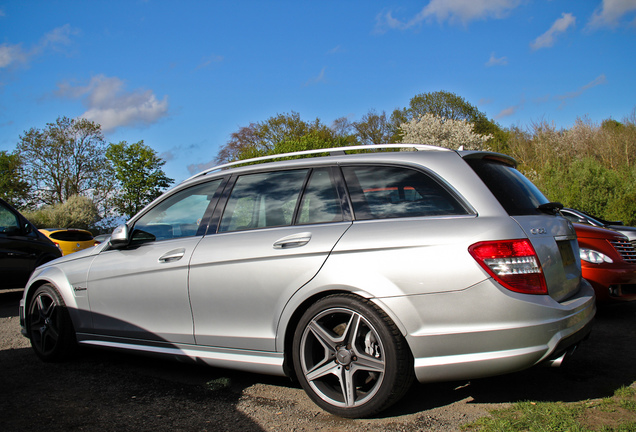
(515, 193)
(263, 200)
(9, 223)
(177, 216)
(380, 192)
(72, 236)
(320, 202)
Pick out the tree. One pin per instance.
(449, 106)
(65, 159)
(259, 139)
(139, 176)
(76, 212)
(375, 128)
(13, 187)
(453, 134)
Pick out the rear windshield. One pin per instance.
(72, 236)
(516, 194)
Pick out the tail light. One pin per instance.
(513, 263)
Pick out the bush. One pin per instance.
(76, 212)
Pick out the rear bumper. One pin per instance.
(487, 330)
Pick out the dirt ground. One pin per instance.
(112, 391)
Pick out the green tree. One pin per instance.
(139, 176)
(375, 128)
(13, 187)
(64, 159)
(259, 139)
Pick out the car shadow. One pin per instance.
(601, 365)
(9, 302)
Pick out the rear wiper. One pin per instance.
(551, 207)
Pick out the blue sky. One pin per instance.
(182, 76)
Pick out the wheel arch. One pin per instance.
(55, 277)
(292, 322)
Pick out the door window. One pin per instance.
(320, 202)
(263, 200)
(9, 223)
(180, 215)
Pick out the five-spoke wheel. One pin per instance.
(49, 325)
(350, 357)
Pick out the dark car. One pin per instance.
(22, 248)
(608, 262)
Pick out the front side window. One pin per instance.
(9, 223)
(263, 200)
(381, 192)
(178, 216)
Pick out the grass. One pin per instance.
(612, 414)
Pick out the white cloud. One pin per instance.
(14, 54)
(453, 11)
(11, 55)
(494, 61)
(599, 80)
(610, 12)
(561, 25)
(112, 107)
(211, 59)
(317, 79)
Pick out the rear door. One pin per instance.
(270, 242)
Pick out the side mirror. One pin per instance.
(119, 237)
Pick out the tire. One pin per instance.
(350, 357)
(49, 325)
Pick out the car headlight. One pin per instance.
(594, 257)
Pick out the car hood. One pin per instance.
(76, 255)
(589, 231)
(629, 231)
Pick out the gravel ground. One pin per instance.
(113, 391)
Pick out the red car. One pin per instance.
(608, 262)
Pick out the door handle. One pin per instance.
(173, 255)
(292, 241)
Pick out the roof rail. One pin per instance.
(332, 151)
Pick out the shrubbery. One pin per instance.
(589, 167)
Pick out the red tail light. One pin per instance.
(513, 263)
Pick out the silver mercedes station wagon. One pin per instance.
(354, 273)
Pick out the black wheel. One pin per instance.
(49, 325)
(350, 357)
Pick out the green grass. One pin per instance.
(612, 414)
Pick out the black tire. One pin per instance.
(49, 325)
(350, 357)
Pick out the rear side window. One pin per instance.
(516, 194)
(381, 192)
(320, 202)
(73, 236)
(263, 200)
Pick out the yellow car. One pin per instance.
(69, 240)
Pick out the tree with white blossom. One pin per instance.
(443, 132)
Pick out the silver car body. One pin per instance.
(231, 299)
